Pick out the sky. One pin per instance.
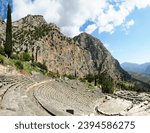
(122, 25)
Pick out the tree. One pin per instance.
(95, 80)
(108, 86)
(8, 43)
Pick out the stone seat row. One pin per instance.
(62, 97)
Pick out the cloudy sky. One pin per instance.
(122, 25)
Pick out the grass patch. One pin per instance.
(6, 61)
(19, 65)
(23, 65)
(27, 67)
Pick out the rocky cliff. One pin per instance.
(2, 32)
(100, 59)
(79, 56)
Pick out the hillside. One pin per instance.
(138, 68)
(141, 76)
(100, 58)
(138, 71)
(51, 74)
(61, 54)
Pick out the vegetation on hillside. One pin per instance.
(24, 62)
(26, 66)
(141, 76)
(105, 83)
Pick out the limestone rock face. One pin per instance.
(101, 61)
(2, 32)
(79, 56)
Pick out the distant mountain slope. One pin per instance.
(138, 71)
(140, 76)
(147, 70)
(139, 68)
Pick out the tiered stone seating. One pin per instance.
(14, 100)
(20, 95)
(62, 97)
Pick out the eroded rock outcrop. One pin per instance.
(79, 56)
(2, 32)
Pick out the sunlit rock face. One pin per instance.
(81, 55)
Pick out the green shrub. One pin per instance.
(71, 76)
(19, 65)
(2, 52)
(139, 87)
(1, 60)
(108, 86)
(90, 78)
(34, 64)
(24, 56)
(15, 56)
(52, 74)
(82, 80)
(40, 65)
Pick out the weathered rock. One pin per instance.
(2, 32)
(101, 61)
(79, 56)
(1, 85)
(21, 95)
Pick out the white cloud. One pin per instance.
(72, 14)
(48, 8)
(91, 28)
(142, 3)
(129, 24)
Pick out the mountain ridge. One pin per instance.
(82, 70)
(139, 68)
(79, 56)
(61, 54)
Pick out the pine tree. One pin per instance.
(95, 80)
(8, 43)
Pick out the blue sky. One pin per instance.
(3, 7)
(133, 44)
(122, 25)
